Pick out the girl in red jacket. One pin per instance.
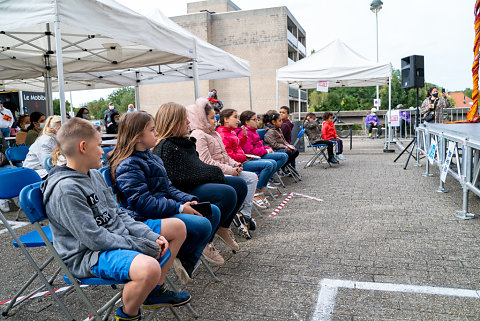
(265, 168)
(329, 133)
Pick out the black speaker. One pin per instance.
(413, 72)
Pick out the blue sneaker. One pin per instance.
(121, 316)
(160, 297)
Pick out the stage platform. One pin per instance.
(461, 161)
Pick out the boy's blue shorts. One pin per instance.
(115, 264)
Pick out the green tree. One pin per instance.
(56, 106)
(121, 98)
(468, 92)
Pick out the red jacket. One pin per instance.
(253, 145)
(233, 144)
(328, 130)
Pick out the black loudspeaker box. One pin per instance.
(413, 72)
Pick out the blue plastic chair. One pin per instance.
(31, 200)
(261, 133)
(319, 149)
(13, 181)
(16, 154)
(106, 150)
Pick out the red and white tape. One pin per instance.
(39, 294)
(288, 198)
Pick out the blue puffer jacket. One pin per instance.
(145, 189)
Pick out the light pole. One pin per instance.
(376, 6)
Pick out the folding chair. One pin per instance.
(319, 150)
(16, 154)
(31, 200)
(106, 150)
(14, 180)
(105, 171)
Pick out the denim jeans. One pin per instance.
(224, 197)
(199, 233)
(5, 132)
(265, 169)
(291, 156)
(279, 157)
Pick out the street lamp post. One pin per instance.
(376, 6)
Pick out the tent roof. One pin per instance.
(102, 42)
(338, 64)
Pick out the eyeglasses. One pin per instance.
(254, 119)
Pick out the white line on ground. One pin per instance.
(14, 225)
(328, 292)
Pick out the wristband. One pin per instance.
(180, 209)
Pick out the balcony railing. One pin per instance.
(293, 40)
(302, 48)
(290, 61)
(293, 92)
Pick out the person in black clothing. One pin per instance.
(108, 115)
(113, 128)
(189, 174)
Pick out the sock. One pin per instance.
(122, 314)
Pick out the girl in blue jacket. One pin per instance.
(143, 187)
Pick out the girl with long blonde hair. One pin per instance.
(143, 187)
(189, 174)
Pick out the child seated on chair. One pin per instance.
(96, 238)
(315, 137)
(274, 138)
(329, 133)
(144, 188)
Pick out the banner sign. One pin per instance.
(433, 149)
(395, 118)
(451, 150)
(377, 102)
(34, 101)
(322, 86)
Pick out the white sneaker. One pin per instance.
(4, 207)
(341, 157)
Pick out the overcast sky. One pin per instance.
(440, 30)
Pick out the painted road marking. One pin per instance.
(329, 288)
(14, 225)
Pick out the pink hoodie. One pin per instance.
(209, 144)
(253, 145)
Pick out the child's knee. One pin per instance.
(179, 227)
(145, 268)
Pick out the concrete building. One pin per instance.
(269, 38)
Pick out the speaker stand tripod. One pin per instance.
(413, 142)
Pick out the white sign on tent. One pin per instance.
(322, 86)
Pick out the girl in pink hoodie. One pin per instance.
(265, 168)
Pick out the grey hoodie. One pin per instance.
(86, 220)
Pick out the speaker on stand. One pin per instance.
(413, 76)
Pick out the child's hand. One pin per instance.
(162, 246)
(188, 209)
(244, 131)
(269, 150)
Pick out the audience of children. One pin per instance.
(143, 187)
(22, 125)
(37, 123)
(211, 150)
(274, 137)
(96, 238)
(254, 145)
(265, 168)
(43, 146)
(189, 174)
(329, 133)
(315, 136)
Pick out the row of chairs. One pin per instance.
(25, 183)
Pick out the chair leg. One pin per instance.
(257, 210)
(209, 269)
(35, 267)
(280, 179)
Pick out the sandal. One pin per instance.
(259, 202)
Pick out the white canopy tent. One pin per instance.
(338, 64)
(100, 44)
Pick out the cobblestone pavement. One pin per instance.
(378, 223)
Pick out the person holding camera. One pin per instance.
(432, 107)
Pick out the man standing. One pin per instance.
(6, 120)
(131, 108)
(287, 125)
(372, 121)
(108, 116)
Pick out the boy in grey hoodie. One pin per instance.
(96, 238)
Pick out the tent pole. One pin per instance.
(195, 72)
(299, 102)
(58, 47)
(137, 90)
(47, 76)
(250, 92)
(276, 91)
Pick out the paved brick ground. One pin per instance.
(378, 223)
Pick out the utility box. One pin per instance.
(295, 130)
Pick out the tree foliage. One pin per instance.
(361, 98)
(121, 98)
(468, 92)
(56, 106)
